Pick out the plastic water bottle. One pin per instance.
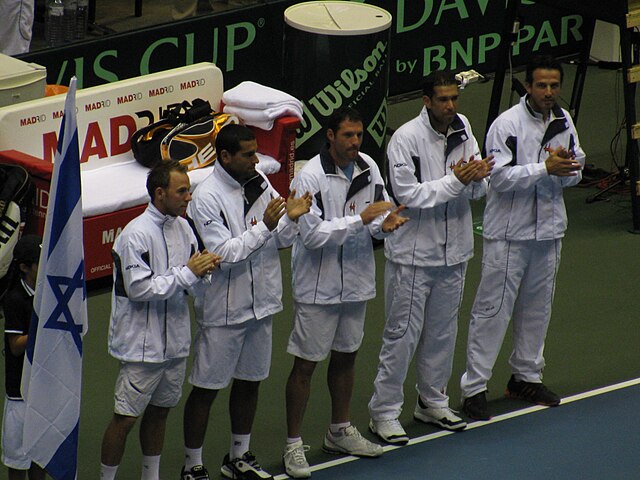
(53, 23)
(82, 19)
(70, 10)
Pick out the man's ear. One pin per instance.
(331, 136)
(158, 194)
(426, 100)
(224, 157)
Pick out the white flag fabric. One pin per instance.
(52, 375)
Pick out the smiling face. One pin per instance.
(173, 199)
(242, 164)
(345, 142)
(544, 89)
(442, 106)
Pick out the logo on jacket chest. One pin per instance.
(352, 207)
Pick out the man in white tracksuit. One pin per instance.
(434, 168)
(240, 216)
(333, 277)
(537, 154)
(156, 262)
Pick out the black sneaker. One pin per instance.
(244, 468)
(476, 408)
(531, 392)
(196, 473)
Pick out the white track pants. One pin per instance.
(16, 26)
(518, 282)
(422, 305)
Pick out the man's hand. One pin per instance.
(486, 165)
(296, 207)
(561, 162)
(467, 172)
(374, 210)
(276, 208)
(394, 220)
(202, 263)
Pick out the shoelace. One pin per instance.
(352, 431)
(452, 411)
(250, 458)
(298, 454)
(393, 422)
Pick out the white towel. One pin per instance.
(253, 95)
(121, 185)
(267, 164)
(261, 118)
(255, 118)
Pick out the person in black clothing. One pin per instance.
(18, 308)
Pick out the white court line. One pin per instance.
(477, 424)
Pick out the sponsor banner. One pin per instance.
(244, 44)
(247, 44)
(458, 35)
(108, 115)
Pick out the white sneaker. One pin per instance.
(390, 431)
(442, 417)
(351, 442)
(295, 462)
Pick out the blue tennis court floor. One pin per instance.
(590, 436)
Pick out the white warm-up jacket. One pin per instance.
(149, 311)
(524, 202)
(419, 176)
(332, 258)
(228, 219)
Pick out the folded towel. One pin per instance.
(121, 185)
(253, 95)
(248, 118)
(261, 118)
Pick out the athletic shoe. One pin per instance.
(531, 392)
(476, 408)
(244, 468)
(351, 442)
(390, 431)
(295, 463)
(196, 473)
(442, 417)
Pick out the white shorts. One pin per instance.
(318, 329)
(12, 424)
(233, 351)
(141, 383)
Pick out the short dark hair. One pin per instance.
(160, 175)
(27, 250)
(546, 62)
(342, 114)
(439, 78)
(230, 136)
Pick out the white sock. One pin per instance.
(150, 467)
(335, 428)
(108, 472)
(192, 457)
(291, 440)
(239, 445)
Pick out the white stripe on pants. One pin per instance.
(422, 305)
(518, 282)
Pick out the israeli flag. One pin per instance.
(52, 375)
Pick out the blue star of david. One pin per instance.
(62, 307)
